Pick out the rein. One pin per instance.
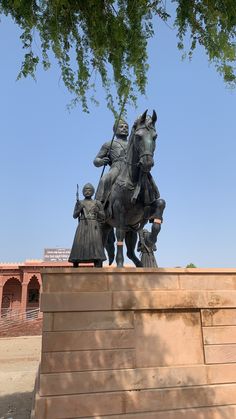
(142, 155)
(148, 153)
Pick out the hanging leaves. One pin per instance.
(109, 38)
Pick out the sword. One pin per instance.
(77, 193)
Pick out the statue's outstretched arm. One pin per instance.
(102, 156)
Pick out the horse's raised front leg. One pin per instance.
(157, 218)
(120, 234)
(130, 241)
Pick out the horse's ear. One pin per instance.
(143, 117)
(154, 117)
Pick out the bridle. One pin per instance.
(147, 153)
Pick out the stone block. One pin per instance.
(168, 338)
(87, 360)
(219, 317)
(207, 282)
(75, 281)
(83, 340)
(219, 412)
(84, 301)
(134, 379)
(141, 300)
(219, 334)
(221, 373)
(80, 406)
(93, 320)
(220, 354)
(116, 403)
(117, 380)
(179, 398)
(144, 281)
(48, 321)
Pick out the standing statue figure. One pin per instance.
(147, 247)
(87, 245)
(112, 154)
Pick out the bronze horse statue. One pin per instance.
(134, 198)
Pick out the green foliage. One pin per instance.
(212, 24)
(110, 37)
(191, 265)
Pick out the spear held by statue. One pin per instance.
(115, 130)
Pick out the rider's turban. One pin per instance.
(88, 185)
(121, 121)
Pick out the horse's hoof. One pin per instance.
(139, 264)
(111, 259)
(120, 265)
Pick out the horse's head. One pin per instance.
(145, 140)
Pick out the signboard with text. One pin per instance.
(57, 254)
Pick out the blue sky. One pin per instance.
(45, 151)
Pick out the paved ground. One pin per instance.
(19, 360)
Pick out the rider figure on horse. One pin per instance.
(112, 154)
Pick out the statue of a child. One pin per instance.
(87, 245)
(147, 247)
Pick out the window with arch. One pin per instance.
(33, 290)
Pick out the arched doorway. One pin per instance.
(33, 295)
(11, 297)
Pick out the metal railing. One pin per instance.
(14, 319)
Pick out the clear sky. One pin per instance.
(45, 151)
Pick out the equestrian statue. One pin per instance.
(128, 192)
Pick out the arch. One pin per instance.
(33, 291)
(11, 296)
(6, 279)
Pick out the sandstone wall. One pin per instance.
(138, 343)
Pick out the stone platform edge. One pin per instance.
(124, 270)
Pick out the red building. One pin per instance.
(20, 286)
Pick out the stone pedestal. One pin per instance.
(138, 343)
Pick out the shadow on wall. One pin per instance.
(154, 357)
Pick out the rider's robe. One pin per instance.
(116, 155)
